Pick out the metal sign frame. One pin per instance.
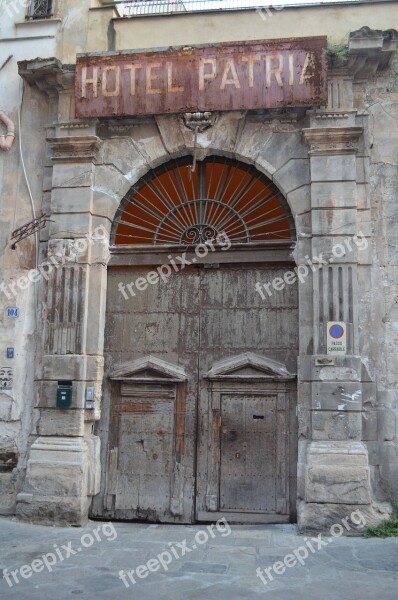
(229, 76)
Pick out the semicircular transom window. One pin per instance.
(173, 205)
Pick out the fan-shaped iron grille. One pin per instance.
(174, 206)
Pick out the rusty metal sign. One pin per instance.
(238, 76)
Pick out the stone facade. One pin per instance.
(336, 166)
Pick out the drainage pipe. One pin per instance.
(7, 140)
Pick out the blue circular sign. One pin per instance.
(336, 331)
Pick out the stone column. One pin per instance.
(63, 469)
(336, 472)
(334, 469)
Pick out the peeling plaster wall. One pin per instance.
(203, 28)
(379, 319)
(72, 35)
(17, 414)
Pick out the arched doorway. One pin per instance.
(200, 367)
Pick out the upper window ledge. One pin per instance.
(43, 21)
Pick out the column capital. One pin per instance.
(74, 148)
(332, 140)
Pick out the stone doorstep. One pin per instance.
(68, 422)
(337, 472)
(336, 475)
(350, 487)
(330, 395)
(67, 481)
(58, 450)
(337, 454)
(340, 460)
(53, 510)
(73, 366)
(337, 447)
(60, 469)
(316, 516)
(324, 368)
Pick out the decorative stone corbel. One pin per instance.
(199, 121)
(57, 81)
(370, 51)
(48, 75)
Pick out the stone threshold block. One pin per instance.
(322, 517)
(337, 489)
(60, 481)
(337, 473)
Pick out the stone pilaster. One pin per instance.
(336, 469)
(64, 466)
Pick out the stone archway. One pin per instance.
(162, 321)
(91, 175)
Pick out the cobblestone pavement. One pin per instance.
(223, 568)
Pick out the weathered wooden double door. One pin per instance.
(199, 415)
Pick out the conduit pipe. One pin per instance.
(7, 140)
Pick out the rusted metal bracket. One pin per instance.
(29, 229)
(198, 122)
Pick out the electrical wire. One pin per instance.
(21, 95)
(36, 237)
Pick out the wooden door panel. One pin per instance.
(234, 317)
(147, 451)
(146, 440)
(152, 427)
(248, 453)
(246, 474)
(200, 316)
(127, 491)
